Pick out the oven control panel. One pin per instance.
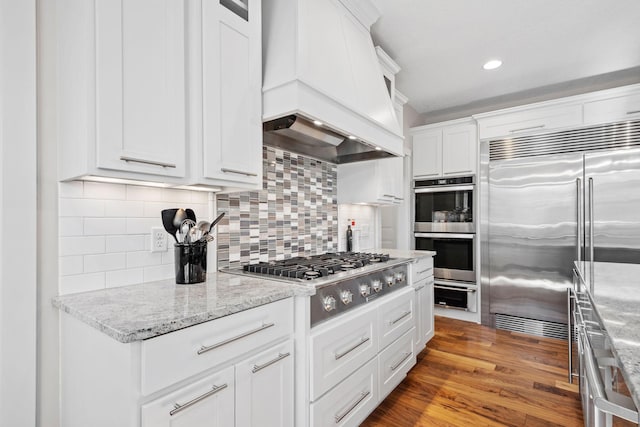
(341, 296)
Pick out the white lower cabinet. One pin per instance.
(351, 401)
(358, 359)
(340, 347)
(424, 308)
(264, 388)
(208, 402)
(395, 361)
(237, 370)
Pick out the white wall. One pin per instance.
(105, 233)
(18, 213)
(365, 235)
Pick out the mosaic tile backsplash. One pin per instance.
(296, 213)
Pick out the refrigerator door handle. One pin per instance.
(579, 219)
(591, 233)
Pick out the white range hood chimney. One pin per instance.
(319, 64)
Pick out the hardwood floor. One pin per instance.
(472, 375)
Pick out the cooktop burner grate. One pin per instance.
(317, 266)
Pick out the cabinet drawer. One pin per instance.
(612, 110)
(350, 402)
(395, 361)
(421, 269)
(396, 316)
(209, 402)
(172, 357)
(341, 348)
(530, 121)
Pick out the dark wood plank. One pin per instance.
(471, 375)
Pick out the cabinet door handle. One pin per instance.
(281, 356)
(389, 196)
(204, 348)
(178, 407)
(633, 112)
(339, 417)
(147, 162)
(350, 349)
(404, 357)
(526, 129)
(402, 316)
(238, 172)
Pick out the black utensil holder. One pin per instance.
(190, 262)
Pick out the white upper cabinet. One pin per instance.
(160, 90)
(121, 69)
(374, 181)
(622, 107)
(445, 149)
(528, 120)
(231, 96)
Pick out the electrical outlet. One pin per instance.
(158, 239)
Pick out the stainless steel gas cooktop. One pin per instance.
(343, 280)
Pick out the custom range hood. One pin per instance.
(324, 94)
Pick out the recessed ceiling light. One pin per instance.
(352, 137)
(492, 65)
(317, 123)
(378, 148)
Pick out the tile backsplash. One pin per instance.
(105, 233)
(294, 215)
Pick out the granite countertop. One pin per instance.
(137, 312)
(616, 297)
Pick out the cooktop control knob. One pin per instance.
(399, 277)
(365, 289)
(346, 297)
(390, 280)
(329, 303)
(377, 285)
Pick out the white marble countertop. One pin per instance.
(616, 295)
(137, 312)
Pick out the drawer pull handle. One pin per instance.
(147, 162)
(420, 287)
(238, 172)
(526, 129)
(339, 417)
(405, 314)
(204, 348)
(281, 356)
(178, 407)
(350, 349)
(425, 271)
(404, 357)
(633, 112)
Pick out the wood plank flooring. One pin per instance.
(472, 375)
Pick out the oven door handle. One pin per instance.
(420, 190)
(446, 235)
(451, 288)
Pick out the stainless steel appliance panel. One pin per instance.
(444, 205)
(612, 206)
(532, 235)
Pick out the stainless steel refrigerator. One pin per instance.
(546, 201)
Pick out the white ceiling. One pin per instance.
(548, 48)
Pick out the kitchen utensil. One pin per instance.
(167, 221)
(215, 221)
(185, 227)
(179, 217)
(191, 214)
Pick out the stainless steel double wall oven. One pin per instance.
(444, 222)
